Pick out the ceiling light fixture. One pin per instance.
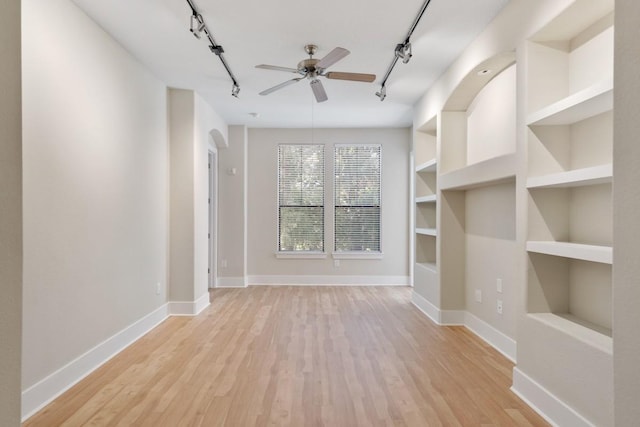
(199, 27)
(402, 51)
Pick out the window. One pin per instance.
(300, 198)
(357, 198)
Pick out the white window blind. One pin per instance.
(358, 170)
(300, 198)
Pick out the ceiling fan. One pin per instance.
(313, 68)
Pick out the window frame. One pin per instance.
(310, 254)
(342, 254)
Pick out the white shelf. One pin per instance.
(426, 231)
(587, 332)
(593, 253)
(581, 105)
(489, 172)
(579, 177)
(428, 266)
(426, 199)
(430, 166)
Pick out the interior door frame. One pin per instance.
(213, 218)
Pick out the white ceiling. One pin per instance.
(275, 31)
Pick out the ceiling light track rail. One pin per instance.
(199, 27)
(402, 51)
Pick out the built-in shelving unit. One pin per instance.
(476, 183)
(569, 221)
(425, 140)
(570, 143)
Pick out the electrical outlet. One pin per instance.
(224, 263)
(158, 288)
(499, 285)
(499, 306)
(478, 295)
(336, 263)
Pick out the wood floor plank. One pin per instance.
(299, 356)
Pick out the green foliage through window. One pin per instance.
(358, 171)
(301, 198)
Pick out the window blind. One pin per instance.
(357, 198)
(300, 198)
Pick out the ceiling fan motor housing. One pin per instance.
(308, 66)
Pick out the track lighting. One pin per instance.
(199, 27)
(403, 51)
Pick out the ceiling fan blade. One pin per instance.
(332, 57)
(356, 77)
(318, 90)
(280, 86)
(276, 68)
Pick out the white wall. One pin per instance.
(491, 125)
(626, 203)
(10, 214)
(95, 187)
(262, 205)
(232, 230)
(491, 254)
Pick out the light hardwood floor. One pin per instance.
(299, 356)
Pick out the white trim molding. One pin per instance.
(189, 308)
(498, 340)
(545, 403)
(300, 255)
(309, 280)
(45, 391)
(231, 282)
(428, 309)
(357, 255)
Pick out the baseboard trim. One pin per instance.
(45, 391)
(498, 340)
(231, 282)
(309, 280)
(189, 308)
(482, 329)
(428, 309)
(48, 389)
(545, 403)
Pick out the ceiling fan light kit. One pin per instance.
(312, 68)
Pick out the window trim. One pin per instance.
(284, 254)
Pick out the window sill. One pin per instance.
(301, 255)
(357, 255)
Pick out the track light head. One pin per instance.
(403, 51)
(235, 90)
(197, 26)
(382, 94)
